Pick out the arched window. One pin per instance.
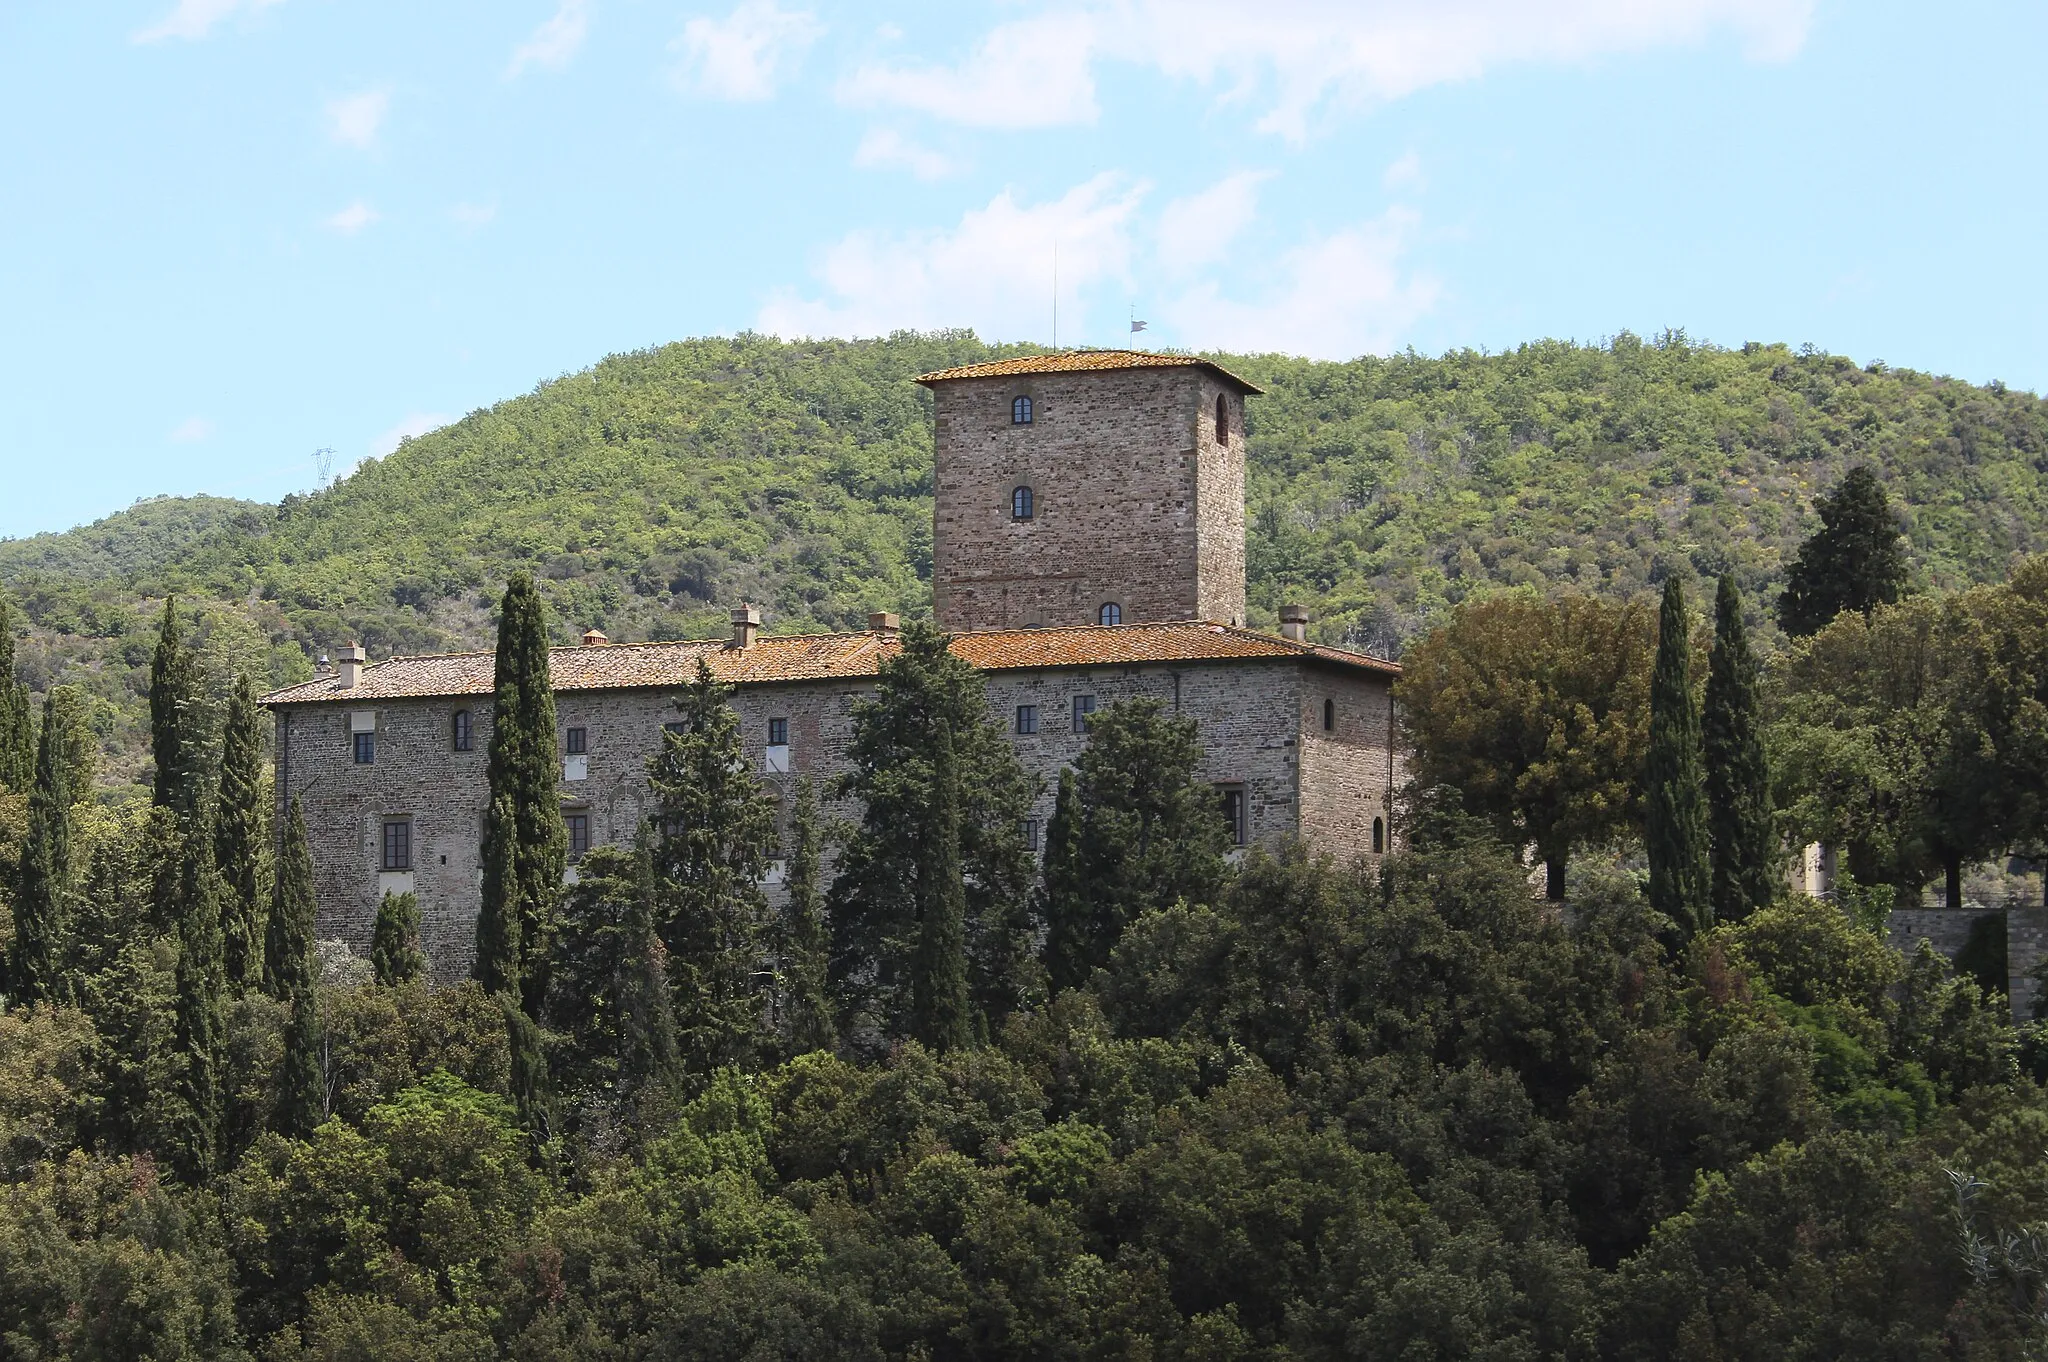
(1222, 419)
(1379, 835)
(1329, 715)
(1111, 613)
(1020, 504)
(458, 731)
(1020, 412)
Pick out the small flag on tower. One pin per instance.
(1137, 326)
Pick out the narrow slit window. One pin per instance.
(1020, 412)
(1379, 835)
(1329, 716)
(1021, 504)
(1222, 419)
(1111, 613)
(461, 736)
(1231, 799)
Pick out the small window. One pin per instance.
(366, 748)
(1028, 830)
(398, 844)
(678, 728)
(1329, 716)
(1111, 613)
(1233, 811)
(579, 834)
(1021, 504)
(1084, 705)
(778, 732)
(576, 742)
(460, 734)
(1222, 419)
(1020, 412)
(1027, 718)
(1379, 835)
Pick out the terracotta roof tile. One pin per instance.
(822, 657)
(1082, 361)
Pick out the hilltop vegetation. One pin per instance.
(655, 490)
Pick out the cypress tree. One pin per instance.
(938, 983)
(17, 720)
(201, 1021)
(807, 1005)
(395, 953)
(1738, 779)
(524, 768)
(290, 976)
(42, 909)
(647, 1023)
(1141, 831)
(238, 840)
(1854, 561)
(498, 922)
(80, 753)
(1675, 822)
(717, 825)
(174, 737)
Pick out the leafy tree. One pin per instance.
(806, 1002)
(1854, 561)
(395, 954)
(39, 969)
(1674, 814)
(927, 720)
(1538, 712)
(238, 839)
(524, 772)
(290, 975)
(1138, 830)
(717, 827)
(1744, 844)
(17, 719)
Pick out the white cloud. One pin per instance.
(1200, 228)
(474, 215)
(886, 149)
(1298, 56)
(353, 120)
(414, 425)
(1405, 171)
(741, 56)
(354, 218)
(1337, 296)
(992, 272)
(196, 18)
(192, 430)
(1034, 73)
(555, 41)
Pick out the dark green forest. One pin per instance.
(653, 491)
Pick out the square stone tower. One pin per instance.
(1093, 487)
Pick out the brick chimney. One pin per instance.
(350, 666)
(1294, 623)
(594, 638)
(746, 623)
(884, 622)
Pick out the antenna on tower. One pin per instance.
(1055, 293)
(323, 464)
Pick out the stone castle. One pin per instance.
(1089, 546)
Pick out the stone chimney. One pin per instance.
(1294, 623)
(594, 638)
(884, 622)
(746, 623)
(350, 669)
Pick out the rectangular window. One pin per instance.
(1027, 718)
(1084, 705)
(778, 732)
(579, 834)
(678, 728)
(1232, 797)
(398, 844)
(366, 748)
(576, 742)
(1029, 829)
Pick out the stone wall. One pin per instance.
(1134, 500)
(1948, 931)
(1252, 714)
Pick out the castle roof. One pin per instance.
(825, 657)
(1084, 361)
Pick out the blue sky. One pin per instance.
(233, 232)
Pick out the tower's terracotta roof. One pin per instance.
(824, 657)
(1081, 362)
